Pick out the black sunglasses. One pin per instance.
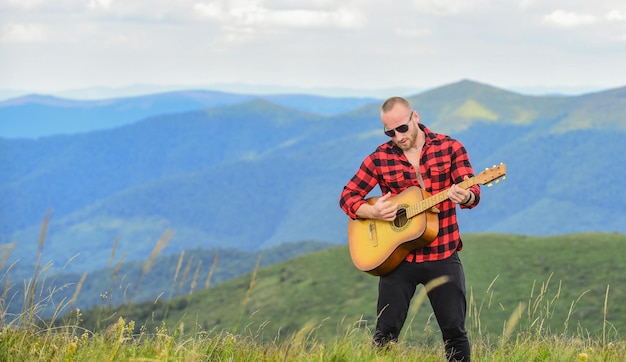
(401, 128)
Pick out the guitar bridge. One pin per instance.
(372, 230)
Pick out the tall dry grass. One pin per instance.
(525, 335)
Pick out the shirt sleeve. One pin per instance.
(354, 192)
(461, 168)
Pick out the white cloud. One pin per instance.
(22, 33)
(209, 10)
(26, 4)
(105, 4)
(346, 43)
(567, 19)
(255, 14)
(615, 15)
(412, 32)
(526, 4)
(444, 7)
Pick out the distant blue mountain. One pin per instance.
(255, 174)
(40, 115)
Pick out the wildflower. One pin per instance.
(121, 323)
(71, 349)
(582, 357)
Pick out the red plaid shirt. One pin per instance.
(444, 161)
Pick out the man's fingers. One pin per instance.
(389, 213)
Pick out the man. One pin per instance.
(415, 156)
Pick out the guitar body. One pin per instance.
(377, 247)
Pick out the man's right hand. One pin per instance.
(382, 209)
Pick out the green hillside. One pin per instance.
(253, 175)
(561, 282)
(126, 281)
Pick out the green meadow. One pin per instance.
(554, 298)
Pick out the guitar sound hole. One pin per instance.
(400, 219)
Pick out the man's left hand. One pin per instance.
(459, 195)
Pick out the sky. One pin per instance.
(55, 45)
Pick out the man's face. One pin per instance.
(400, 119)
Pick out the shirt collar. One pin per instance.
(430, 135)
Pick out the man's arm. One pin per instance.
(382, 209)
(354, 192)
(462, 170)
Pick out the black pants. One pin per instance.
(448, 301)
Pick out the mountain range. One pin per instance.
(252, 172)
(35, 115)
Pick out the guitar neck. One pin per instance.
(439, 197)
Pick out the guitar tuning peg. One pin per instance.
(497, 181)
(486, 168)
(503, 178)
(494, 166)
(489, 184)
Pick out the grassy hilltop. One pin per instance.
(564, 279)
(552, 298)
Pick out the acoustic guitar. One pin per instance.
(377, 247)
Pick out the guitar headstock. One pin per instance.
(490, 174)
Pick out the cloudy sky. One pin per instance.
(52, 45)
